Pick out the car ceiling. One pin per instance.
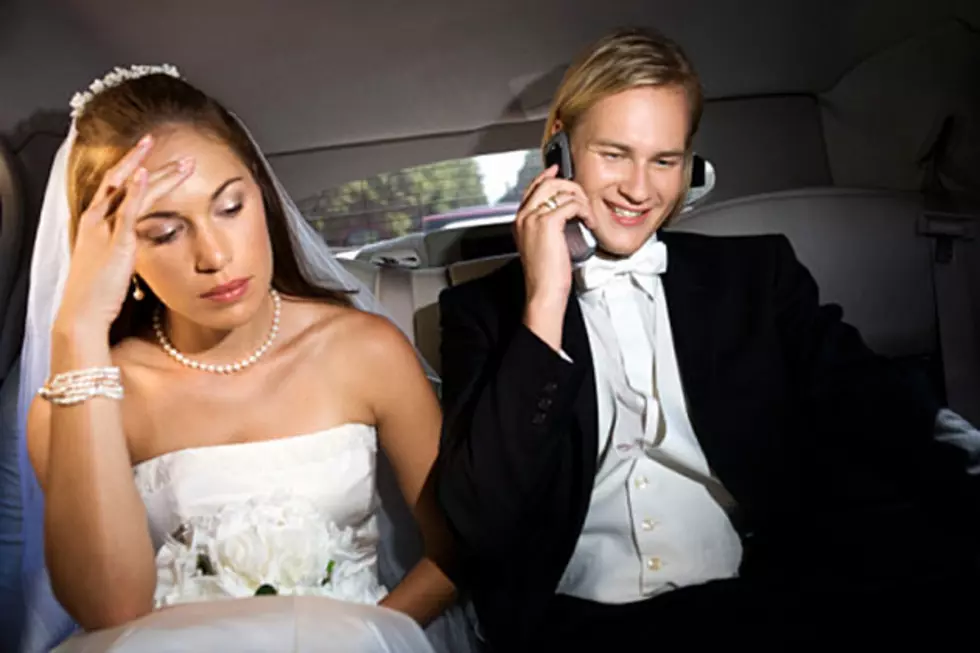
(308, 74)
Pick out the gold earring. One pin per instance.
(137, 291)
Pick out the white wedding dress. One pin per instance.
(322, 486)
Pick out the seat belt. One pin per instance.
(396, 294)
(956, 280)
(396, 291)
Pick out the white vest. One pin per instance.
(657, 519)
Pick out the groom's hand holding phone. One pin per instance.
(549, 204)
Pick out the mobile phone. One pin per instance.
(581, 242)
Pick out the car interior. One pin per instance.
(851, 127)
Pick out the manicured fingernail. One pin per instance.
(186, 164)
(145, 142)
(140, 175)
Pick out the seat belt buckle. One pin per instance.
(945, 230)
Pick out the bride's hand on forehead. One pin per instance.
(105, 248)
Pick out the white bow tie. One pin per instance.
(648, 262)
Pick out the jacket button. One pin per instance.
(544, 404)
(538, 419)
(551, 387)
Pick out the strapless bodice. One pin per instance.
(295, 514)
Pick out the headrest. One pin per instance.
(702, 182)
(11, 223)
(13, 280)
(862, 248)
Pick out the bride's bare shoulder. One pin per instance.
(346, 331)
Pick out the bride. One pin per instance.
(211, 387)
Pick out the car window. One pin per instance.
(422, 198)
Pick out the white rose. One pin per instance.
(302, 556)
(356, 583)
(279, 540)
(354, 577)
(302, 550)
(175, 566)
(244, 561)
(178, 578)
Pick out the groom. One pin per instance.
(674, 441)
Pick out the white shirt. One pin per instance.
(656, 518)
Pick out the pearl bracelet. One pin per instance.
(70, 388)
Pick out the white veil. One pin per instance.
(46, 622)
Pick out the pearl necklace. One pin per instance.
(230, 367)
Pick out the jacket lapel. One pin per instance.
(575, 342)
(693, 317)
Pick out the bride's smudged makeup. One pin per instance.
(209, 231)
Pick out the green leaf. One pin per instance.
(266, 590)
(330, 566)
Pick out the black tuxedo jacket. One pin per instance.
(822, 443)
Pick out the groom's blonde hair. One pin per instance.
(619, 61)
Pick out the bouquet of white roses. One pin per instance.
(269, 545)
